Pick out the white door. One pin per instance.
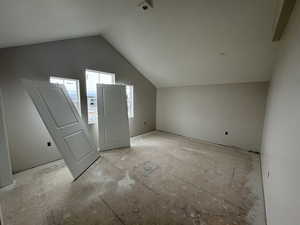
(5, 166)
(64, 124)
(112, 116)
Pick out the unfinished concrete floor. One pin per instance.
(162, 179)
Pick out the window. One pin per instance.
(72, 87)
(92, 79)
(130, 102)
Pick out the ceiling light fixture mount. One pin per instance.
(146, 5)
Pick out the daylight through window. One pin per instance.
(92, 79)
(72, 87)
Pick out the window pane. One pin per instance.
(92, 79)
(56, 80)
(106, 78)
(71, 86)
(73, 90)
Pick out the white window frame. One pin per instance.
(113, 75)
(78, 89)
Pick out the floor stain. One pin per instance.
(126, 182)
(163, 179)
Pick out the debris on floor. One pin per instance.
(149, 167)
(127, 182)
(158, 183)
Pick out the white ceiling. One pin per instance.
(33, 21)
(184, 42)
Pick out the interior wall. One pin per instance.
(5, 166)
(281, 152)
(69, 58)
(206, 112)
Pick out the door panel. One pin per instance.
(55, 99)
(77, 143)
(64, 124)
(112, 117)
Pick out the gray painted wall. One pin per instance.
(205, 112)
(281, 148)
(27, 134)
(5, 166)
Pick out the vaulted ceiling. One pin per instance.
(176, 43)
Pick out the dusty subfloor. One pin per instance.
(162, 179)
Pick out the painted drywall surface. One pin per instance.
(181, 43)
(5, 166)
(177, 43)
(69, 58)
(206, 112)
(281, 148)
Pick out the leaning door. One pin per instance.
(64, 124)
(112, 117)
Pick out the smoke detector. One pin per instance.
(145, 5)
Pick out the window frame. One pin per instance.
(99, 75)
(77, 87)
(101, 72)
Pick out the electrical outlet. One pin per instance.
(226, 132)
(268, 174)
